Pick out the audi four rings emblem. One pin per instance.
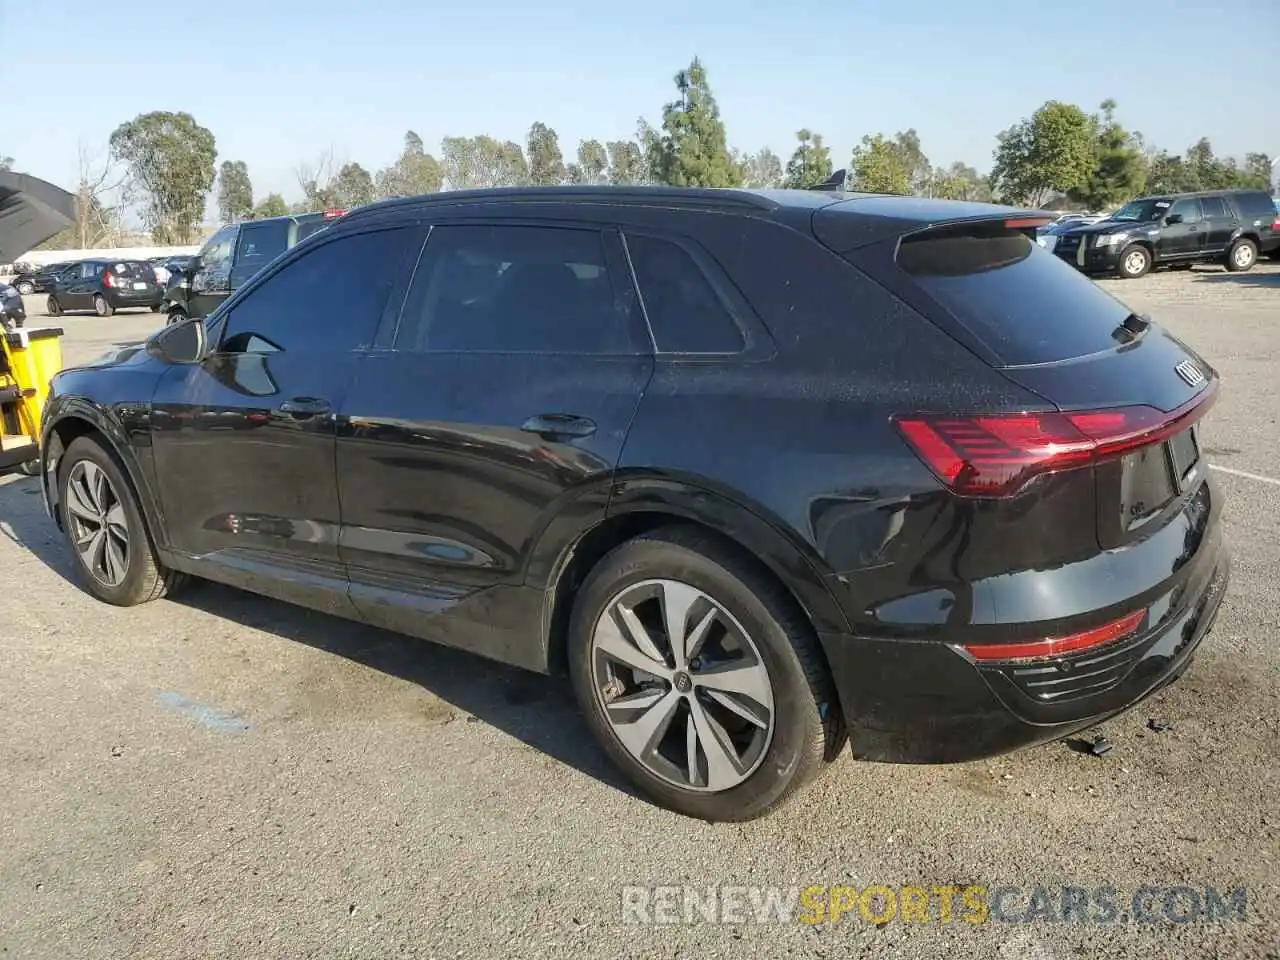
(1189, 372)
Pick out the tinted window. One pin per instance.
(1214, 207)
(330, 298)
(515, 290)
(260, 243)
(1188, 209)
(1256, 205)
(307, 227)
(685, 313)
(1023, 302)
(218, 249)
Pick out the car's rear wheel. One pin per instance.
(1242, 255)
(26, 289)
(101, 307)
(700, 677)
(1135, 261)
(52, 307)
(110, 546)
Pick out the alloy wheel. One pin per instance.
(99, 525)
(100, 306)
(1243, 255)
(1135, 262)
(682, 685)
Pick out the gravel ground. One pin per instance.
(223, 775)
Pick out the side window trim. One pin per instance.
(615, 259)
(734, 303)
(400, 288)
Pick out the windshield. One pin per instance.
(1141, 211)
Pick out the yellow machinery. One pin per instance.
(28, 362)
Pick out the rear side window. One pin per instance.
(1215, 207)
(1256, 205)
(307, 227)
(1025, 304)
(515, 289)
(685, 312)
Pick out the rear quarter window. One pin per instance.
(1024, 303)
(1256, 206)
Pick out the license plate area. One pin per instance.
(139, 285)
(1154, 476)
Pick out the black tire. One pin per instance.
(144, 579)
(29, 469)
(175, 316)
(155, 308)
(1242, 255)
(52, 307)
(102, 306)
(808, 725)
(1134, 262)
(26, 289)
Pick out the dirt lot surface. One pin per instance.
(226, 776)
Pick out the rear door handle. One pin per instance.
(557, 426)
(300, 408)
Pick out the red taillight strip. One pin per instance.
(997, 455)
(1058, 646)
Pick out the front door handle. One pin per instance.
(300, 408)
(559, 426)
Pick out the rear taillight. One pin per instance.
(109, 279)
(996, 456)
(1059, 646)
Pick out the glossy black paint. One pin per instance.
(420, 492)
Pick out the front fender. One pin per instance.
(121, 426)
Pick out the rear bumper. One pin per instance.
(911, 701)
(134, 298)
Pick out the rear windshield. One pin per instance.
(1024, 303)
(133, 269)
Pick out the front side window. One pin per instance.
(329, 299)
(218, 249)
(516, 289)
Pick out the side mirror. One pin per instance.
(1172, 219)
(182, 343)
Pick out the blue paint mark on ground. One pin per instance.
(202, 713)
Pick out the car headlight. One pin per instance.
(1111, 239)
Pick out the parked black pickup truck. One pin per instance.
(1231, 227)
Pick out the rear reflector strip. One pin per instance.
(998, 455)
(1052, 647)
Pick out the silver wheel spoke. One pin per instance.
(722, 761)
(113, 558)
(757, 717)
(116, 521)
(697, 636)
(639, 635)
(641, 734)
(677, 600)
(76, 504)
(93, 552)
(639, 700)
(610, 641)
(691, 750)
(750, 681)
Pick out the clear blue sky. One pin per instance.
(281, 81)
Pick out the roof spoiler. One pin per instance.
(833, 185)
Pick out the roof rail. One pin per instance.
(724, 198)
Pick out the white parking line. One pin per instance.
(1246, 474)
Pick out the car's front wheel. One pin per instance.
(1135, 261)
(175, 316)
(110, 547)
(700, 677)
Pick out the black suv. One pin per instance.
(38, 279)
(105, 286)
(761, 471)
(232, 256)
(1230, 227)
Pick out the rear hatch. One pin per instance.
(131, 278)
(1129, 394)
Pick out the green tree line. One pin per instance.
(1060, 151)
